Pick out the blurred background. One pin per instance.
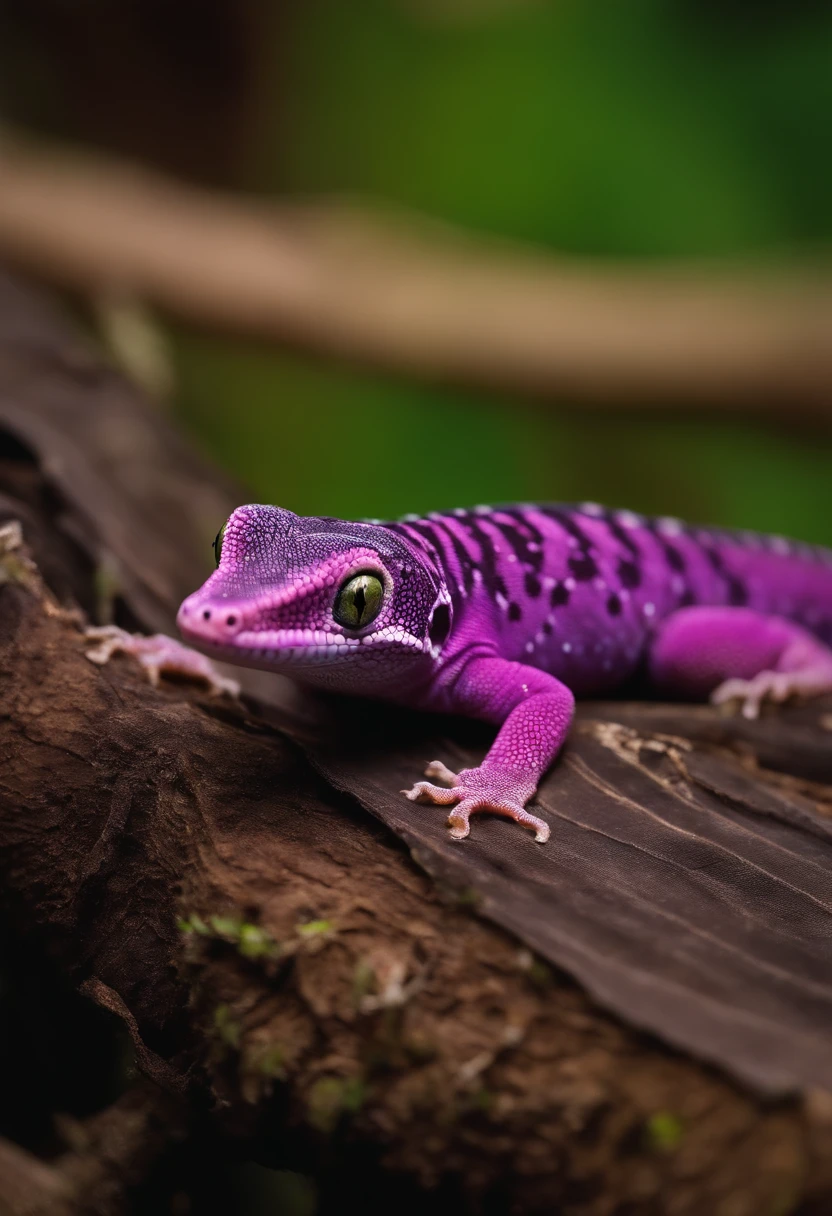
(576, 149)
(381, 256)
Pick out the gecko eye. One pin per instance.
(358, 602)
(218, 539)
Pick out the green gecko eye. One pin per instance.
(218, 539)
(359, 601)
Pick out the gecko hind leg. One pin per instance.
(737, 654)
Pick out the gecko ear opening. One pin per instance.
(440, 625)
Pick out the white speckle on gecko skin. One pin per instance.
(649, 609)
(567, 647)
(569, 584)
(670, 526)
(529, 647)
(629, 519)
(591, 508)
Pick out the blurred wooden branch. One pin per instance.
(417, 298)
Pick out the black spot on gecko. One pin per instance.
(514, 612)
(546, 627)
(440, 625)
(518, 541)
(737, 592)
(492, 581)
(629, 574)
(567, 521)
(671, 554)
(621, 534)
(532, 585)
(437, 540)
(535, 545)
(674, 558)
(583, 567)
(614, 605)
(463, 557)
(559, 596)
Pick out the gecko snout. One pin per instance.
(202, 620)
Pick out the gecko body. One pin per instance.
(507, 613)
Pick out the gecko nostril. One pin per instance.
(231, 620)
(206, 616)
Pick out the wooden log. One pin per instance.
(280, 957)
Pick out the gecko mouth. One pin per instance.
(283, 647)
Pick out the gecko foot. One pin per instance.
(774, 686)
(499, 791)
(156, 654)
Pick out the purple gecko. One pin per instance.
(506, 613)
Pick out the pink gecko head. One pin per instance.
(317, 598)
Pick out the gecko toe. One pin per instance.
(459, 821)
(438, 771)
(423, 791)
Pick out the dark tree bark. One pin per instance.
(206, 870)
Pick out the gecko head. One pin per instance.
(344, 605)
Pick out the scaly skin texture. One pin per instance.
(507, 613)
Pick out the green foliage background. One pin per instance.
(648, 129)
(608, 129)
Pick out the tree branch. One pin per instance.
(417, 299)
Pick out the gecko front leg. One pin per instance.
(535, 711)
(157, 653)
